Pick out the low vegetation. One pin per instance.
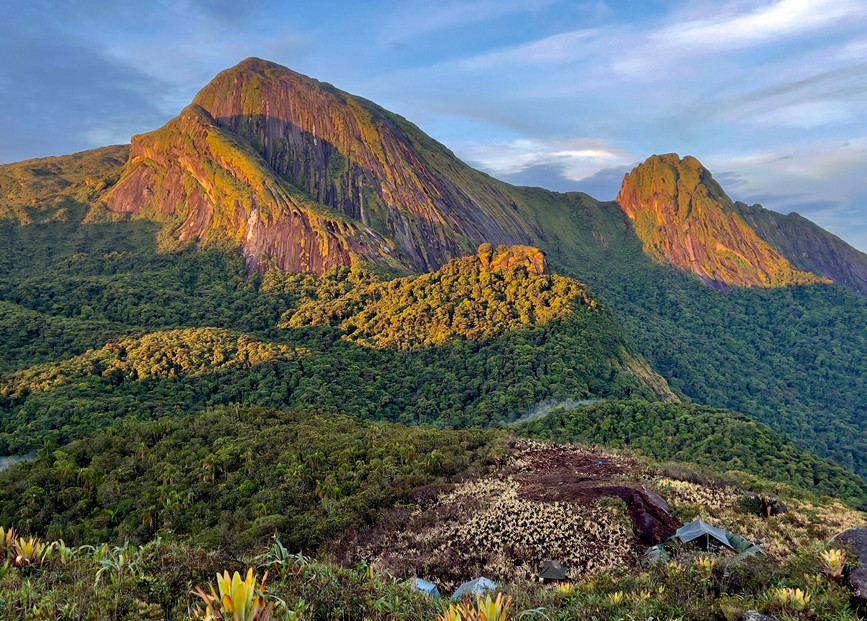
(720, 439)
(160, 580)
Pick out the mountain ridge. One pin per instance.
(312, 141)
(808, 246)
(304, 176)
(685, 218)
(795, 350)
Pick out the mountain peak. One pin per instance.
(684, 217)
(327, 175)
(256, 64)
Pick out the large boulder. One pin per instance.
(858, 582)
(855, 540)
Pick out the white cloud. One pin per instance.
(731, 30)
(578, 158)
(559, 48)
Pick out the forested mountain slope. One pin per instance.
(792, 357)
(298, 174)
(508, 337)
(808, 246)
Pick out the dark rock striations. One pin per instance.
(310, 177)
(808, 246)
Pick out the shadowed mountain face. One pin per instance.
(683, 217)
(808, 246)
(260, 141)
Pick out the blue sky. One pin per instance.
(771, 95)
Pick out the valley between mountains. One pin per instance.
(289, 318)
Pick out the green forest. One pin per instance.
(100, 328)
(794, 358)
(231, 478)
(493, 362)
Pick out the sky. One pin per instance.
(769, 95)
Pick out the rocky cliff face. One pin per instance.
(261, 146)
(209, 186)
(683, 217)
(306, 177)
(808, 246)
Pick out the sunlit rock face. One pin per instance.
(683, 217)
(304, 175)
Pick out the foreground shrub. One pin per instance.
(239, 600)
(484, 610)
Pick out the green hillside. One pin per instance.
(167, 504)
(188, 331)
(232, 478)
(794, 358)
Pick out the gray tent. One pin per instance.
(705, 536)
(553, 570)
(702, 534)
(479, 586)
(428, 588)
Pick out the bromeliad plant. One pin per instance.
(118, 564)
(494, 610)
(484, 610)
(238, 600)
(833, 562)
(704, 565)
(565, 589)
(791, 599)
(286, 562)
(8, 537)
(31, 551)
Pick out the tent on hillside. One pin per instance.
(428, 588)
(703, 535)
(706, 537)
(479, 586)
(552, 570)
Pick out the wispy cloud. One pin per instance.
(799, 96)
(558, 48)
(731, 28)
(576, 159)
(819, 180)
